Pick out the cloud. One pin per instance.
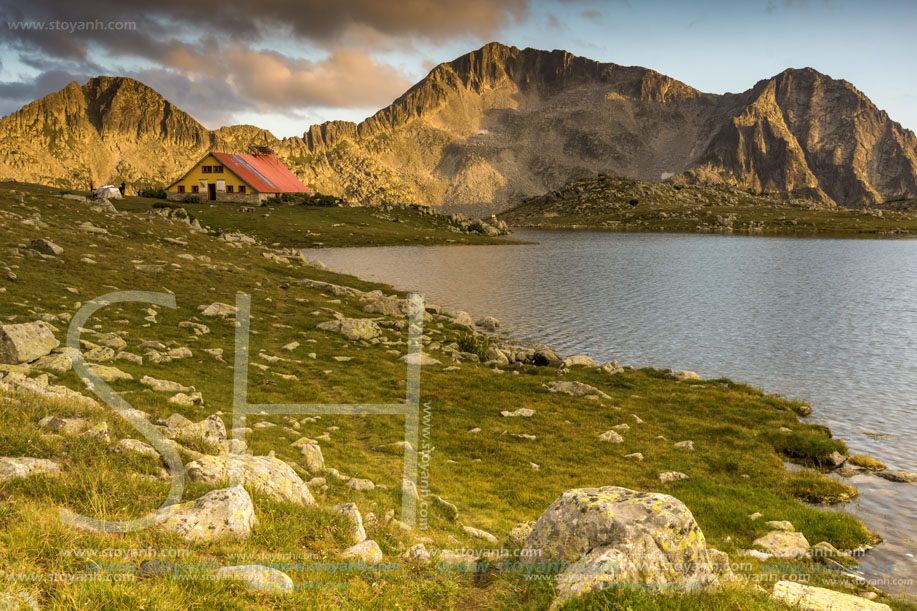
(319, 21)
(221, 58)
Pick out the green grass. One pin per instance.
(736, 469)
(298, 226)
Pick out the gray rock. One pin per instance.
(480, 534)
(66, 426)
(620, 536)
(783, 544)
(360, 484)
(14, 468)
(13, 381)
(218, 514)
(576, 389)
(47, 247)
(312, 457)
(270, 476)
(59, 362)
(811, 598)
(417, 554)
(352, 328)
(258, 578)
(671, 476)
(127, 446)
(165, 385)
(522, 411)
(350, 511)
(182, 400)
(579, 360)
(99, 433)
(367, 551)
(210, 431)
(683, 375)
(25, 342)
(422, 358)
(218, 310)
(901, 477)
(489, 323)
(109, 374)
(611, 437)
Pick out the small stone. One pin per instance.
(258, 578)
(781, 525)
(367, 551)
(522, 411)
(416, 553)
(611, 437)
(480, 534)
(671, 476)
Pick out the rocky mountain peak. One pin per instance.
(497, 125)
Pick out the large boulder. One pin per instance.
(268, 475)
(810, 598)
(217, 514)
(25, 342)
(352, 328)
(615, 536)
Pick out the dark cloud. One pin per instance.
(215, 59)
(321, 21)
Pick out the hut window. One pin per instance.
(241, 188)
(181, 188)
(229, 188)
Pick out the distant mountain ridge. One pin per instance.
(498, 125)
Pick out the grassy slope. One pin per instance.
(593, 204)
(319, 226)
(486, 474)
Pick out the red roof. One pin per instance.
(264, 173)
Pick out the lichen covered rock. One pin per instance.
(25, 342)
(268, 475)
(618, 536)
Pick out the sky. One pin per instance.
(286, 64)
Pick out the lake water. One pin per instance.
(830, 321)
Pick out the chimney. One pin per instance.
(262, 150)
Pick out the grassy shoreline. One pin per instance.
(736, 469)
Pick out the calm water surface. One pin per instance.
(830, 321)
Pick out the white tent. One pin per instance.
(107, 192)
